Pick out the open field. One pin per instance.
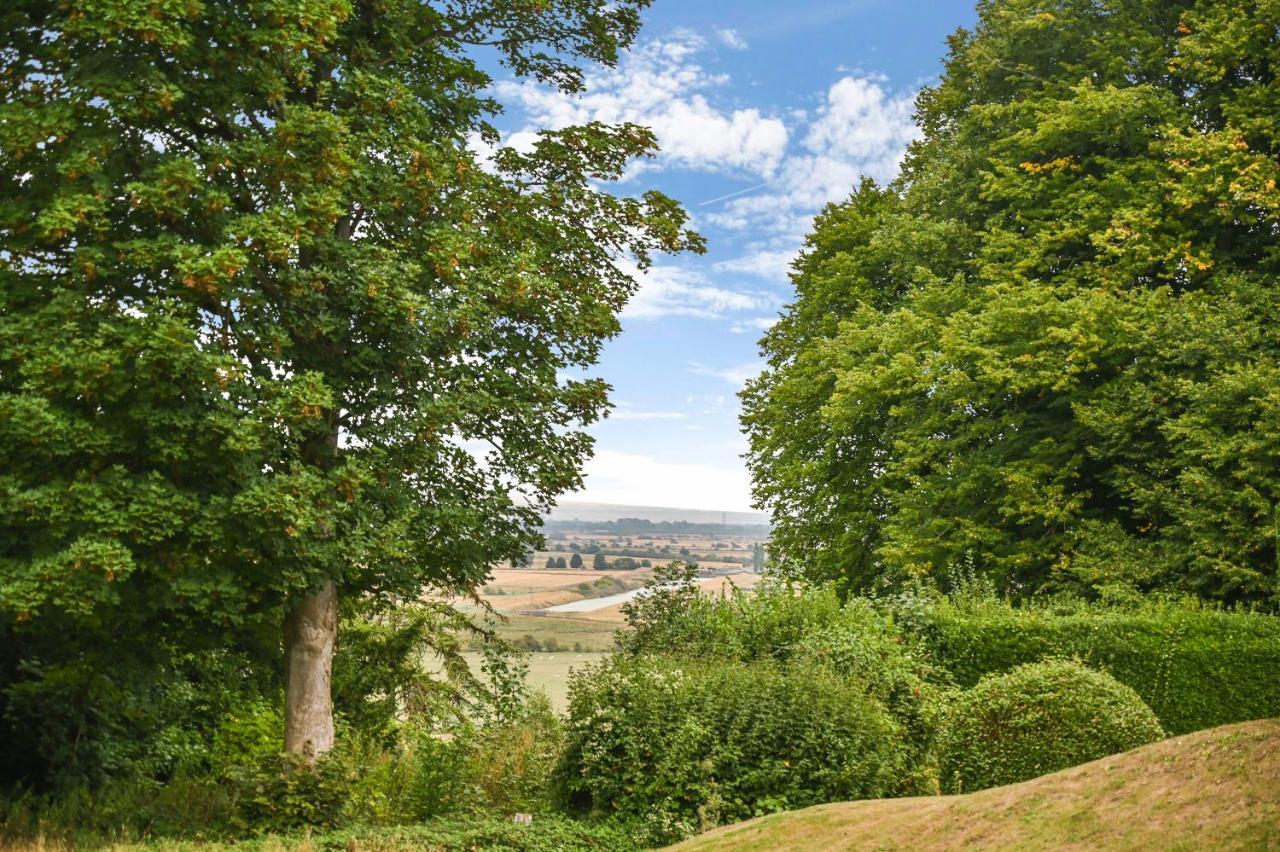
(549, 672)
(1216, 789)
(592, 634)
(712, 586)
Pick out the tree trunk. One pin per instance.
(310, 632)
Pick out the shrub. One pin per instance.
(865, 645)
(281, 795)
(791, 627)
(1196, 666)
(510, 765)
(248, 735)
(688, 745)
(1037, 719)
(676, 617)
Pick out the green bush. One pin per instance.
(866, 646)
(1037, 719)
(1196, 666)
(280, 794)
(687, 745)
(248, 735)
(676, 617)
(793, 626)
(510, 765)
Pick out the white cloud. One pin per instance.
(731, 39)
(642, 480)
(674, 291)
(772, 265)
(736, 375)
(861, 129)
(659, 85)
(755, 324)
(862, 123)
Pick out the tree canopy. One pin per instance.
(277, 315)
(1048, 351)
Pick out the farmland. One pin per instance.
(561, 641)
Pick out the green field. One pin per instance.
(590, 635)
(549, 673)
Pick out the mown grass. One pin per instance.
(1216, 789)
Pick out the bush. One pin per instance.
(281, 794)
(676, 617)
(796, 627)
(689, 745)
(510, 765)
(1039, 718)
(1196, 666)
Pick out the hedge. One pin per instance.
(1196, 667)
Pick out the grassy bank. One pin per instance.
(1216, 789)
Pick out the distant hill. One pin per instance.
(597, 512)
(1215, 789)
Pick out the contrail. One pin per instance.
(740, 192)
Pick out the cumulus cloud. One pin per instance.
(731, 39)
(864, 124)
(659, 84)
(861, 129)
(667, 291)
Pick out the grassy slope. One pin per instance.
(1216, 789)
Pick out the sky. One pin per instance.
(765, 112)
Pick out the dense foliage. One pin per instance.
(856, 640)
(261, 288)
(718, 709)
(1037, 719)
(687, 745)
(1197, 667)
(497, 760)
(1049, 349)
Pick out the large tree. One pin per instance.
(1049, 351)
(279, 325)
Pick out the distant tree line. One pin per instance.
(640, 526)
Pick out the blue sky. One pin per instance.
(765, 111)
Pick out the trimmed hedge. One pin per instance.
(1036, 719)
(687, 745)
(1196, 667)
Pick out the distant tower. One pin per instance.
(757, 557)
(724, 519)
